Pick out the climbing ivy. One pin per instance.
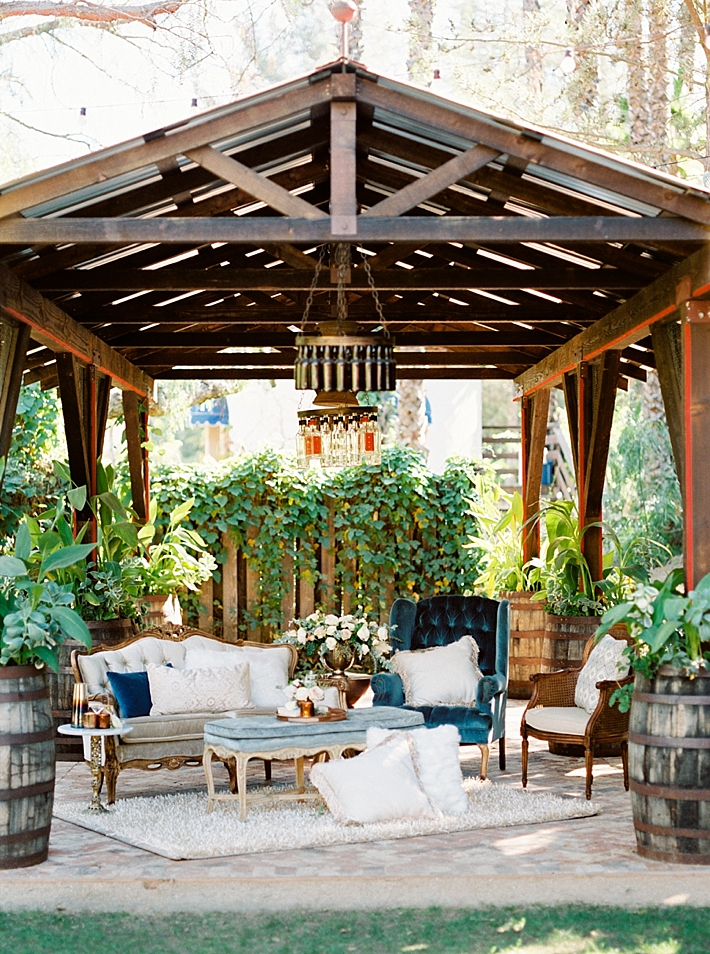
(399, 529)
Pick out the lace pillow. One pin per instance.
(268, 669)
(379, 785)
(174, 691)
(438, 764)
(606, 661)
(441, 676)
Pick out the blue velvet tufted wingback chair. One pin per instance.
(438, 621)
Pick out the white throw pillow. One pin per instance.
(379, 785)
(268, 669)
(438, 764)
(606, 661)
(443, 675)
(174, 691)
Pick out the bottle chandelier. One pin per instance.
(337, 364)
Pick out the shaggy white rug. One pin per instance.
(178, 826)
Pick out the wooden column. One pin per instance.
(343, 115)
(590, 394)
(534, 412)
(668, 350)
(696, 414)
(14, 340)
(136, 423)
(230, 591)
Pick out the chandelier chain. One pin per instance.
(312, 289)
(375, 295)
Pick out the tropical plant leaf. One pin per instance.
(23, 542)
(71, 624)
(77, 497)
(65, 557)
(12, 567)
(48, 656)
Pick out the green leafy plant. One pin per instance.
(178, 560)
(500, 538)
(35, 609)
(666, 627)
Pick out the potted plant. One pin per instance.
(504, 575)
(669, 764)
(36, 616)
(171, 560)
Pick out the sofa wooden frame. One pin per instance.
(177, 634)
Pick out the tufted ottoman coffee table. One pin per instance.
(265, 737)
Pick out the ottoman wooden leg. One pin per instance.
(300, 780)
(242, 762)
(209, 778)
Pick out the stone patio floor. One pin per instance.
(589, 860)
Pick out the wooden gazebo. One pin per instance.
(499, 250)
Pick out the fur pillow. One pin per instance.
(440, 676)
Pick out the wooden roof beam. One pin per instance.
(275, 374)
(253, 230)
(55, 330)
(521, 338)
(626, 324)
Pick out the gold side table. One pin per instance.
(96, 735)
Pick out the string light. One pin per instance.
(82, 116)
(193, 104)
(568, 64)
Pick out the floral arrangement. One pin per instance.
(362, 640)
(304, 690)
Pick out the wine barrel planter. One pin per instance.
(565, 639)
(527, 636)
(669, 766)
(26, 766)
(107, 632)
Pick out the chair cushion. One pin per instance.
(132, 693)
(606, 661)
(378, 785)
(268, 669)
(567, 720)
(438, 764)
(474, 726)
(199, 690)
(442, 675)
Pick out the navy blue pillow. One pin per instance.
(132, 693)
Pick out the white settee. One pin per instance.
(170, 741)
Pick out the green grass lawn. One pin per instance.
(561, 930)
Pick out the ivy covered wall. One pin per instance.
(396, 530)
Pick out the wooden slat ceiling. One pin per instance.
(457, 308)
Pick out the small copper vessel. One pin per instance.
(307, 708)
(90, 720)
(104, 719)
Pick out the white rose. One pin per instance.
(316, 694)
(331, 642)
(313, 616)
(302, 636)
(311, 637)
(381, 649)
(319, 631)
(382, 634)
(331, 620)
(364, 633)
(364, 649)
(290, 692)
(302, 693)
(331, 630)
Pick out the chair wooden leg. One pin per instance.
(525, 761)
(484, 761)
(589, 765)
(232, 769)
(625, 763)
(267, 769)
(501, 753)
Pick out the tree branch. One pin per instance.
(91, 12)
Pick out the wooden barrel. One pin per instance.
(565, 639)
(669, 766)
(527, 635)
(108, 632)
(26, 766)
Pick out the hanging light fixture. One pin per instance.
(337, 364)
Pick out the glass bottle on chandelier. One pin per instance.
(335, 437)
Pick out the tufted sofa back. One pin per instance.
(135, 656)
(441, 620)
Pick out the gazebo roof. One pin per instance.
(493, 244)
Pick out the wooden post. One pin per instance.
(230, 603)
(534, 413)
(343, 116)
(288, 602)
(253, 597)
(590, 395)
(668, 350)
(15, 340)
(696, 408)
(137, 456)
